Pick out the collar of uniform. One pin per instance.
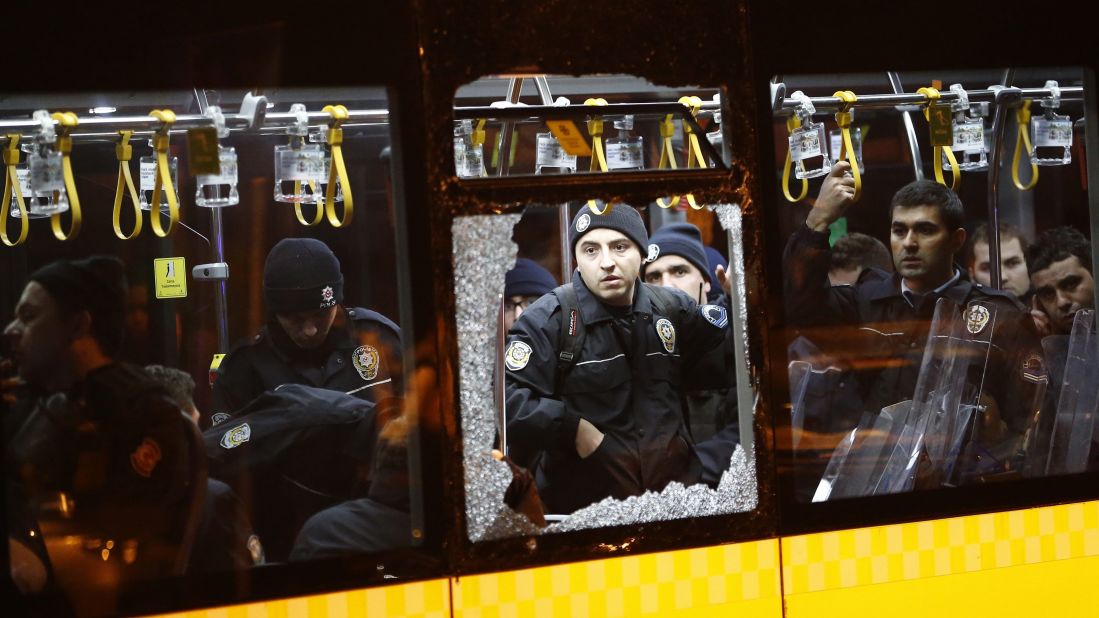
(956, 289)
(593, 310)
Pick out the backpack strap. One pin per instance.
(570, 339)
(664, 300)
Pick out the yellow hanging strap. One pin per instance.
(843, 119)
(66, 121)
(667, 157)
(123, 151)
(163, 175)
(598, 159)
(1022, 139)
(337, 170)
(11, 186)
(792, 123)
(932, 94)
(694, 151)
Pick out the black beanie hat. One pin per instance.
(528, 278)
(620, 217)
(96, 284)
(301, 274)
(682, 239)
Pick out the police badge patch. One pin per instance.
(715, 314)
(328, 297)
(654, 252)
(236, 436)
(145, 457)
(517, 356)
(666, 332)
(976, 319)
(583, 222)
(366, 361)
(218, 418)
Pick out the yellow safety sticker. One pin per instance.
(570, 137)
(202, 151)
(942, 130)
(171, 277)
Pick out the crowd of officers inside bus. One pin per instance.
(617, 382)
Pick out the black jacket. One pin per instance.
(627, 381)
(361, 357)
(885, 336)
(116, 445)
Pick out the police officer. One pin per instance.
(100, 433)
(889, 317)
(523, 285)
(677, 259)
(594, 372)
(310, 338)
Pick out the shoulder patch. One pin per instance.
(654, 253)
(715, 314)
(366, 360)
(517, 355)
(236, 436)
(218, 418)
(145, 457)
(666, 332)
(583, 222)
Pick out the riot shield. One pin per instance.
(799, 373)
(1074, 424)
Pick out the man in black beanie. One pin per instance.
(677, 259)
(98, 432)
(595, 370)
(310, 338)
(523, 285)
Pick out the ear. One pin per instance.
(80, 325)
(957, 240)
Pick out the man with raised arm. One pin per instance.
(889, 318)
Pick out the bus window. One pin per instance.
(579, 125)
(643, 421)
(938, 325)
(207, 375)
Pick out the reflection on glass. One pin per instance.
(906, 369)
(295, 448)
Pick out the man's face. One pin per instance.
(514, 306)
(608, 262)
(308, 329)
(673, 271)
(38, 337)
(923, 249)
(1013, 272)
(1063, 289)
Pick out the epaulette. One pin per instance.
(359, 314)
(1008, 296)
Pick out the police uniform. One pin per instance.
(115, 445)
(888, 330)
(712, 405)
(626, 381)
(361, 356)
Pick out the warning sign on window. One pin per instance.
(171, 277)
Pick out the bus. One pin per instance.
(931, 457)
